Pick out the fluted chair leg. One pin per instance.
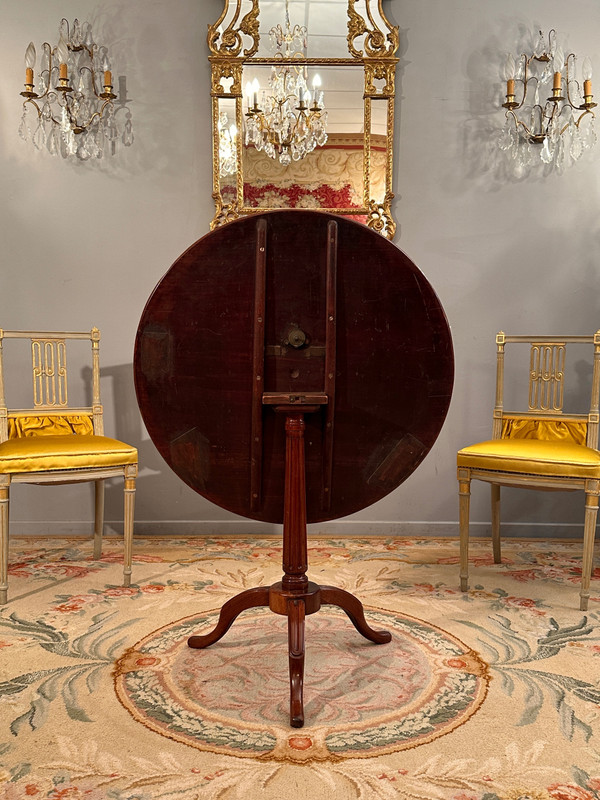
(98, 518)
(496, 523)
(128, 528)
(4, 487)
(464, 493)
(589, 531)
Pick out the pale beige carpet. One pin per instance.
(491, 695)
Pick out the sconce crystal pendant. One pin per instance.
(72, 97)
(291, 122)
(562, 124)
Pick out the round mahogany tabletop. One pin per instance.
(195, 364)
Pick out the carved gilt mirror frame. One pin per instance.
(363, 157)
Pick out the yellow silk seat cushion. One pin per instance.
(557, 458)
(42, 453)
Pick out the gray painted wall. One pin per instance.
(84, 244)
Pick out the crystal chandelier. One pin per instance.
(287, 127)
(73, 97)
(558, 121)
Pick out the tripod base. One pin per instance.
(295, 604)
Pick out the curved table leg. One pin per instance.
(296, 614)
(354, 609)
(251, 598)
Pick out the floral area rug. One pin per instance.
(489, 695)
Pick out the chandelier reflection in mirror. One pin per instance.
(72, 97)
(288, 126)
(556, 122)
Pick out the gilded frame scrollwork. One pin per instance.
(372, 42)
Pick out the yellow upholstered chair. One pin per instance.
(53, 442)
(541, 448)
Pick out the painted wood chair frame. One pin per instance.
(54, 443)
(542, 448)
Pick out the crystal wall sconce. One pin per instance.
(73, 98)
(556, 122)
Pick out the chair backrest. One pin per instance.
(51, 413)
(545, 418)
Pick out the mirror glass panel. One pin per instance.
(228, 157)
(330, 176)
(321, 18)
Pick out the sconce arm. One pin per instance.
(578, 120)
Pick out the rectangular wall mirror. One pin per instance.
(303, 108)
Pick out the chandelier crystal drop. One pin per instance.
(70, 109)
(290, 121)
(554, 129)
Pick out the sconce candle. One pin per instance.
(29, 65)
(587, 79)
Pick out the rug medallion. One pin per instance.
(361, 700)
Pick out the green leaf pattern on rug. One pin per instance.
(509, 650)
(92, 652)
